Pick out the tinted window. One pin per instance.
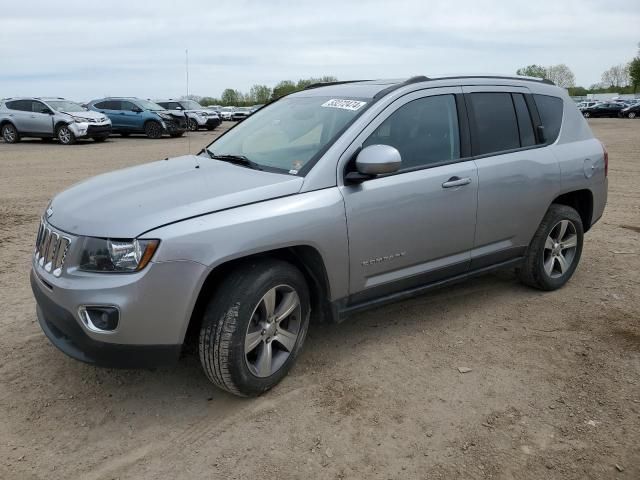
(525, 125)
(550, 110)
(425, 131)
(22, 105)
(127, 106)
(108, 105)
(39, 107)
(494, 125)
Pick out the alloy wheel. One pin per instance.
(632, 115)
(9, 134)
(193, 125)
(273, 330)
(64, 135)
(560, 248)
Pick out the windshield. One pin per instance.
(289, 133)
(147, 105)
(66, 106)
(190, 105)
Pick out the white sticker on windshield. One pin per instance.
(344, 104)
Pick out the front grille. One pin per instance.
(51, 249)
(98, 129)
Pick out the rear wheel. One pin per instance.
(65, 135)
(254, 327)
(153, 129)
(193, 125)
(631, 115)
(10, 133)
(586, 114)
(555, 250)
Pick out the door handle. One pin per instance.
(456, 182)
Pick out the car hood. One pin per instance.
(86, 114)
(129, 202)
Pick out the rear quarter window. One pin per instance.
(550, 110)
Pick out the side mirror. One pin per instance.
(375, 160)
(542, 138)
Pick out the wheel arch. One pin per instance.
(305, 257)
(9, 122)
(59, 124)
(582, 202)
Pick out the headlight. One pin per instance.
(107, 255)
(81, 119)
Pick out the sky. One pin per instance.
(85, 50)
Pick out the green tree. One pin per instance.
(259, 94)
(634, 71)
(578, 91)
(231, 97)
(283, 88)
(532, 71)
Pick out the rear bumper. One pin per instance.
(62, 329)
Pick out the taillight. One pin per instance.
(606, 159)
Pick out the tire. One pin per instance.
(10, 133)
(65, 136)
(99, 139)
(586, 114)
(192, 125)
(235, 320)
(631, 115)
(550, 261)
(153, 129)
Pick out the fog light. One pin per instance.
(99, 319)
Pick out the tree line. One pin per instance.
(622, 78)
(261, 94)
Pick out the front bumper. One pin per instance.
(175, 124)
(63, 330)
(213, 122)
(82, 130)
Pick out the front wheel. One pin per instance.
(153, 129)
(555, 250)
(631, 115)
(66, 136)
(10, 133)
(254, 327)
(586, 114)
(193, 125)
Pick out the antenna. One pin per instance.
(186, 54)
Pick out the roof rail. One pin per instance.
(500, 77)
(409, 81)
(326, 84)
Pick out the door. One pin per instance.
(111, 108)
(415, 226)
(517, 176)
(40, 121)
(131, 120)
(19, 114)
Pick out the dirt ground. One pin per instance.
(554, 390)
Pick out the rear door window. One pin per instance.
(20, 105)
(494, 127)
(550, 110)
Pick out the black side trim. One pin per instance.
(345, 308)
(62, 329)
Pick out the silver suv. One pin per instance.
(50, 118)
(328, 201)
(197, 115)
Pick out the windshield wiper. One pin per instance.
(236, 159)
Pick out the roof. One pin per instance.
(379, 88)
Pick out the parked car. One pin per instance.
(632, 111)
(240, 114)
(325, 202)
(587, 104)
(135, 115)
(226, 113)
(197, 116)
(606, 109)
(48, 118)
